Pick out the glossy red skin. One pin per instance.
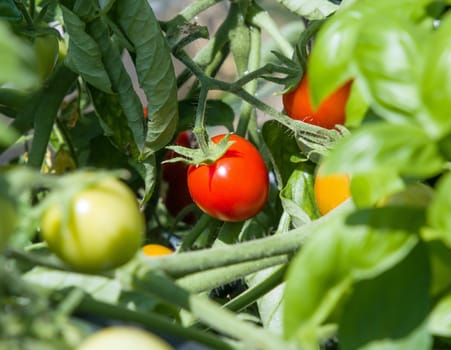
(332, 110)
(235, 187)
(177, 196)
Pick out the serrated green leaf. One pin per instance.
(298, 198)
(217, 113)
(83, 54)
(154, 69)
(113, 121)
(9, 11)
(282, 147)
(121, 81)
(310, 9)
(404, 149)
(379, 312)
(348, 248)
(436, 84)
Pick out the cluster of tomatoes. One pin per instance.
(92, 236)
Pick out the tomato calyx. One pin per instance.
(198, 156)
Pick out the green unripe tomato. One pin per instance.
(102, 228)
(8, 220)
(46, 48)
(120, 338)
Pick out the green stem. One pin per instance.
(152, 321)
(287, 243)
(207, 280)
(210, 313)
(41, 109)
(199, 123)
(261, 19)
(248, 110)
(197, 7)
(252, 294)
(195, 232)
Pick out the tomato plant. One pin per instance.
(235, 187)
(280, 259)
(330, 112)
(100, 228)
(120, 337)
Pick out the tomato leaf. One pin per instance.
(346, 249)
(436, 84)
(113, 121)
(9, 11)
(310, 9)
(154, 69)
(283, 150)
(217, 113)
(403, 149)
(379, 312)
(297, 197)
(83, 54)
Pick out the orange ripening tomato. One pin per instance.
(156, 250)
(331, 190)
(332, 111)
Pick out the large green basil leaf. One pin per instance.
(379, 312)
(404, 149)
(345, 250)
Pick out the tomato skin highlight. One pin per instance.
(235, 187)
(332, 111)
(331, 190)
(103, 229)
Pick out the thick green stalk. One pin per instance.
(210, 313)
(253, 294)
(207, 280)
(263, 20)
(152, 321)
(196, 7)
(281, 244)
(248, 110)
(41, 110)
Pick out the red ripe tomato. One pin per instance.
(330, 112)
(177, 196)
(235, 187)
